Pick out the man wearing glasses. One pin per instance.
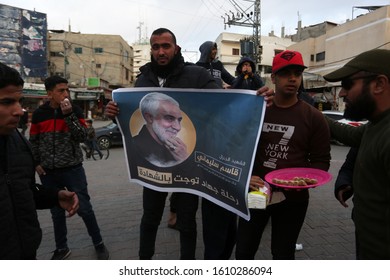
(365, 82)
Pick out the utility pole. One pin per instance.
(140, 32)
(66, 62)
(251, 19)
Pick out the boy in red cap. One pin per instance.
(294, 134)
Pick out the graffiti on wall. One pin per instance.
(23, 40)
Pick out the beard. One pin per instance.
(164, 70)
(362, 108)
(163, 133)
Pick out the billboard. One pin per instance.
(23, 41)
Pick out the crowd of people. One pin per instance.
(58, 127)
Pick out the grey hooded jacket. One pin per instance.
(215, 67)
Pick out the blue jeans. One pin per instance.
(74, 179)
(92, 146)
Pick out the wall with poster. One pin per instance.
(23, 41)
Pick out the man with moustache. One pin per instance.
(168, 69)
(365, 87)
(157, 141)
(57, 129)
(20, 196)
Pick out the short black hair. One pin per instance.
(162, 30)
(51, 82)
(9, 76)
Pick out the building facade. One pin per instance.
(94, 65)
(325, 47)
(330, 49)
(87, 59)
(141, 56)
(230, 52)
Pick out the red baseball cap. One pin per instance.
(285, 59)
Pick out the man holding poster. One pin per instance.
(168, 69)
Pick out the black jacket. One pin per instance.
(344, 178)
(55, 138)
(20, 233)
(246, 81)
(182, 75)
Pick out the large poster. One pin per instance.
(189, 140)
(23, 40)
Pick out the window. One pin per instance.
(320, 56)
(61, 74)
(78, 50)
(312, 57)
(98, 65)
(126, 55)
(267, 69)
(277, 52)
(235, 51)
(98, 50)
(57, 54)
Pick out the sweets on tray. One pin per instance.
(296, 181)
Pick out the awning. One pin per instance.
(34, 90)
(77, 94)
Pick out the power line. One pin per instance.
(247, 18)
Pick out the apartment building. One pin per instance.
(336, 44)
(325, 47)
(230, 52)
(141, 56)
(94, 65)
(340, 43)
(91, 60)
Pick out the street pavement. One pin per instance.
(327, 234)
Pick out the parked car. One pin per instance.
(339, 116)
(108, 136)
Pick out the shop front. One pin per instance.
(91, 101)
(34, 95)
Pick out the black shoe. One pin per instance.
(61, 254)
(102, 252)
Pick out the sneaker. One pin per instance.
(102, 252)
(61, 254)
